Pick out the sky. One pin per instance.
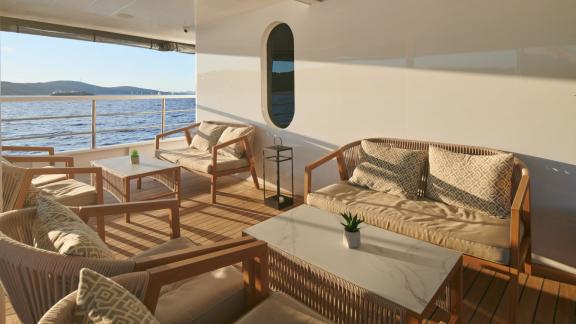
(30, 58)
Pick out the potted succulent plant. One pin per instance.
(135, 157)
(351, 237)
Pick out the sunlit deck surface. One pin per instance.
(240, 206)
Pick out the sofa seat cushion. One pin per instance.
(71, 192)
(469, 231)
(201, 161)
(213, 297)
(280, 308)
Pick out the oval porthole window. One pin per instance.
(280, 75)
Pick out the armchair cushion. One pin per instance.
(280, 308)
(71, 192)
(59, 229)
(47, 178)
(387, 169)
(235, 150)
(213, 297)
(207, 136)
(101, 300)
(201, 161)
(481, 182)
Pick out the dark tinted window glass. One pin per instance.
(281, 76)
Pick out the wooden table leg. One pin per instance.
(178, 182)
(127, 196)
(139, 184)
(456, 295)
(411, 319)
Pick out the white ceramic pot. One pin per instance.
(135, 159)
(351, 239)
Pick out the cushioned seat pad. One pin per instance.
(279, 308)
(71, 192)
(471, 232)
(201, 161)
(213, 297)
(47, 178)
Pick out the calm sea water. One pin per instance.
(179, 112)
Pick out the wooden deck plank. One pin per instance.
(566, 307)
(487, 307)
(529, 299)
(239, 206)
(476, 293)
(547, 303)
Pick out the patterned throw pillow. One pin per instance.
(12, 181)
(207, 135)
(387, 169)
(59, 229)
(235, 150)
(481, 182)
(101, 300)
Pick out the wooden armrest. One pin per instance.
(128, 207)
(15, 148)
(308, 169)
(520, 214)
(68, 160)
(256, 251)
(185, 130)
(152, 261)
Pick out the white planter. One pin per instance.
(351, 239)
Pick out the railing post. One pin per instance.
(163, 114)
(93, 123)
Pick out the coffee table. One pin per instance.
(391, 278)
(118, 172)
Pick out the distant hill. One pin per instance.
(47, 88)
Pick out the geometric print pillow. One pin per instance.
(388, 169)
(101, 300)
(235, 150)
(480, 182)
(207, 136)
(57, 228)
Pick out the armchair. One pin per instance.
(19, 183)
(258, 301)
(55, 275)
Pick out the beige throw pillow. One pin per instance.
(481, 182)
(101, 300)
(59, 229)
(235, 150)
(207, 135)
(391, 170)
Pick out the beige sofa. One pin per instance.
(501, 244)
(211, 162)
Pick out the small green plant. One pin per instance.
(352, 222)
(134, 153)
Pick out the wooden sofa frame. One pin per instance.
(215, 174)
(51, 159)
(520, 246)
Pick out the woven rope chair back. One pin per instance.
(12, 178)
(352, 155)
(35, 279)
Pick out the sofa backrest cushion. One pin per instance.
(387, 169)
(481, 182)
(235, 150)
(207, 136)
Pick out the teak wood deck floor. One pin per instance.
(240, 206)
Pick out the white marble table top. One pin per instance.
(122, 167)
(401, 269)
